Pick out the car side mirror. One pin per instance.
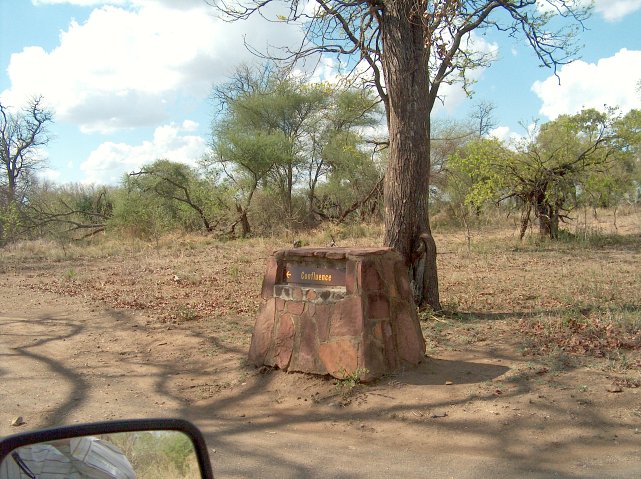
(129, 449)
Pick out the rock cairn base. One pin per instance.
(367, 326)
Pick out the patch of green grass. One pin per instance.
(234, 272)
(349, 381)
(185, 313)
(558, 360)
(70, 275)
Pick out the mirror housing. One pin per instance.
(13, 442)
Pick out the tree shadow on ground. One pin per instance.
(24, 346)
(433, 371)
(256, 436)
(469, 316)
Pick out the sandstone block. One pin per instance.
(403, 281)
(411, 346)
(297, 294)
(347, 317)
(370, 323)
(270, 278)
(339, 357)
(389, 345)
(371, 278)
(295, 307)
(378, 306)
(352, 277)
(284, 342)
(306, 356)
(263, 332)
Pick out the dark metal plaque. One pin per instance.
(308, 274)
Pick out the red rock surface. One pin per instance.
(369, 324)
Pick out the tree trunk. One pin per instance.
(405, 66)
(244, 223)
(11, 188)
(525, 220)
(548, 218)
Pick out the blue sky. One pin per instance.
(129, 80)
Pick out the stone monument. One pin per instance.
(337, 311)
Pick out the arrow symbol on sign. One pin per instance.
(288, 274)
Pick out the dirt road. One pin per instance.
(66, 359)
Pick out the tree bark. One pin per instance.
(405, 67)
(548, 215)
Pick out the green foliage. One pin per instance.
(178, 450)
(167, 196)
(283, 136)
(140, 215)
(477, 172)
(70, 275)
(585, 158)
(350, 176)
(157, 454)
(349, 381)
(10, 223)
(67, 212)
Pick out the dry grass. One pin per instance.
(577, 296)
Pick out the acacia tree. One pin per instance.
(247, 156)
(184, 195)
(412, 48)
(279, 130)
(339, 155)
(271, 109)
(583, 154)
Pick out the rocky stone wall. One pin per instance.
(370, 323)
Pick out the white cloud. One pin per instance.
(126, 65)
(512, 138)
(190, 125)
(610, 10)
(93, 3)
(611, 81)
(503, 133)
(107, 163)
(614, 10)
(49, 175)
(79, 3)
(326, 71)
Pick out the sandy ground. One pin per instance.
(66, 359)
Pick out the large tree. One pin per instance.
(265, 121)
(23, 134)
(412, 48)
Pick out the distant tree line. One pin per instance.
(287, 154)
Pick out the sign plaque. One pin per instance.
(308, 274)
